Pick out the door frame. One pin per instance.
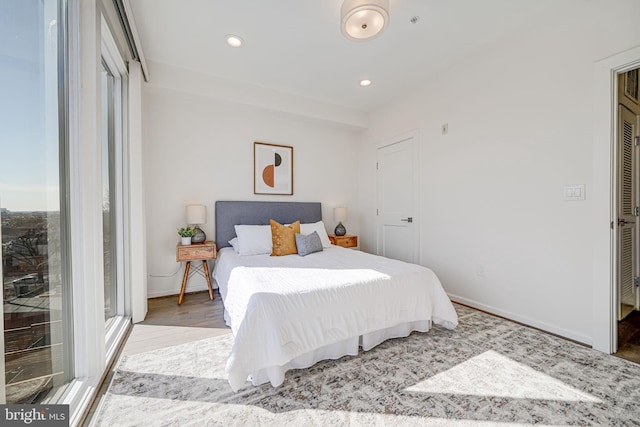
(415, 135)
(605, 256)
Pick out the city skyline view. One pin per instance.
(17, 198)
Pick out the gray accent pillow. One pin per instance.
(308, 244)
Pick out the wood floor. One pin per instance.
(168, 324)
(629, 338)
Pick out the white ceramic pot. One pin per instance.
(185, 241)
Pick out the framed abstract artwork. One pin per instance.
(272, 169)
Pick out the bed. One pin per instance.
(289, 312)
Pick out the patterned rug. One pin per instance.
(488, 371)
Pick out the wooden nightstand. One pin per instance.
(195, 252)
(346, 241)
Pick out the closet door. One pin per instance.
(627, 213)
(398, 235)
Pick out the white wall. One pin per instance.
(137, 230)
(198, 149)
(519, 116)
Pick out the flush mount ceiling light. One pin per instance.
(363, 19)
(233, 40)
(365, 82)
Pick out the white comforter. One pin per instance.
(283, 308)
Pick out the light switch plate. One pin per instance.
(572, 193)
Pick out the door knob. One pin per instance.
(622, 222)
(410, 219)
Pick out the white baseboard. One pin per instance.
(585, 339)
(169, 292)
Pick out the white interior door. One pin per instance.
(397, 207)
(628, 298)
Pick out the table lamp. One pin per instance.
(196, 215)
(340, 214)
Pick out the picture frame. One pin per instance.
(272, 169)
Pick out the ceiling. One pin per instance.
(296, 47)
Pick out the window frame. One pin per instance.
(111, 57)
(95, 346)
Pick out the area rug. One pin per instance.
(488, 371)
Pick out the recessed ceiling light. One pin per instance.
(234, 41)
(365, 82)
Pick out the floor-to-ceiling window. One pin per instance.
(109, 224)
(114, 86)
(60, 151)
(36, 297)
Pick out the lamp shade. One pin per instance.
(363, 19)
(196, 214)
(339, 214)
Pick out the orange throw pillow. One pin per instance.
(284, 238)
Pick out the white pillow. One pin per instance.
(320, 229)
(253, 239)
(234, 244)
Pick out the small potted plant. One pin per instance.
(186, 233)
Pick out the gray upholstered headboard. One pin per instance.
(230, 213)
